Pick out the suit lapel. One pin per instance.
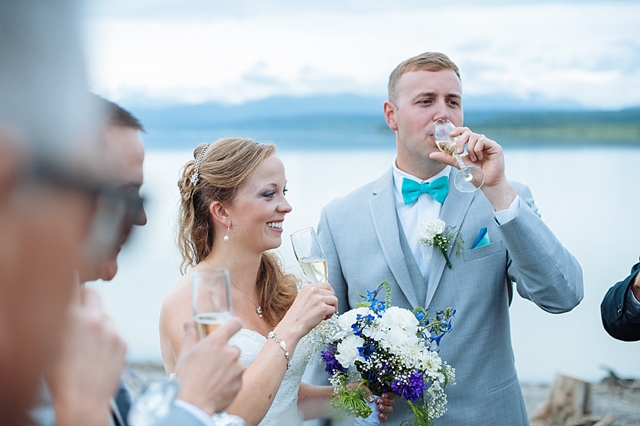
(385, 221)
(115, 418)
(453, 212)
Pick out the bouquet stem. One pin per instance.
(420, 415)
(446, 257)
(352, 399)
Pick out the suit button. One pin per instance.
(619, 308)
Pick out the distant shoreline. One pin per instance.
(350, 128)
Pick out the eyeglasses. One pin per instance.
(117, 208)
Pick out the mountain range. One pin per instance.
(328, 121)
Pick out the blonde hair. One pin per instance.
(428, 61)
(224, 167)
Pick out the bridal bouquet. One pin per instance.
(389, 349)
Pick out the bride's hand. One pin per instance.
(314, 303)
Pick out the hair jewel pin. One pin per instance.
(195, 177)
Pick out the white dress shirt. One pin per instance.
(415, 215)
(206, 419)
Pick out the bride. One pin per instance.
(231, 213)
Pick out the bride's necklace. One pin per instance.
(258, 307)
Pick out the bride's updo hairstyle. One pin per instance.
(216, 174)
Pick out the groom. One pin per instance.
(371, 235)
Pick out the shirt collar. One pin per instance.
(398, 175)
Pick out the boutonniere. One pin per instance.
(436, 233)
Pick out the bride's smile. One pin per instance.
(258, 211)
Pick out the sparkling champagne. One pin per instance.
(314, 268)
(448, 147)
(468, 178)
(209, 322)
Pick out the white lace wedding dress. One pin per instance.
(284, 410)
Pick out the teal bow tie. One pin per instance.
(438, 189)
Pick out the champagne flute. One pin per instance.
(468, 178)
(212, 307)
(150, 401)
(310, 255)
(210, 299)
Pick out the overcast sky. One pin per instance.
(233, 51)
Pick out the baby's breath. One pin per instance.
(436, 233)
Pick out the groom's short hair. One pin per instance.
(428, 61)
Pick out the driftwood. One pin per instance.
(615, 381)
(568, 404)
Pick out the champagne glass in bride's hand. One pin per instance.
(211, 304)
(310, 255)
(468, 178)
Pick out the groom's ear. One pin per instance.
(219, 213)
(390, 115)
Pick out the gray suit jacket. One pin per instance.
(365, 244)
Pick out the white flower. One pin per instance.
(397, 330)
(399, 320)
(347, 350)
(346, 320)
(374, 331)
(431, 229)
(437, 234)
(430, 361)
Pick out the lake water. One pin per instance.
(588, 197)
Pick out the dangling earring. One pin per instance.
(226, 236)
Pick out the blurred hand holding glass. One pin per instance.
(150, 402)
(212, 307)
(210, 299)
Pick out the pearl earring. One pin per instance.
(226, 236)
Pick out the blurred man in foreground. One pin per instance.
(56, 205)
(85, 376)
(49, 182)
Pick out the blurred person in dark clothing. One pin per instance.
(620, 308)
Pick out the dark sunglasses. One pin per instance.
(117, 208)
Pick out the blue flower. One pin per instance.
(332, 364)
(384, 369)
(378, 306)
(367, 350)
(410, 388)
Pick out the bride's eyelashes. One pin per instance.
(272, 193)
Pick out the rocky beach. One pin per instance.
(614, 401)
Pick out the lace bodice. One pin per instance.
(285, 404)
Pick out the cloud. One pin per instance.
(236, 51)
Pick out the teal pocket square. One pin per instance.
(482, 239)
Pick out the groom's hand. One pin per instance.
(488, 155)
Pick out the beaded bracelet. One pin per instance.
(283, 345)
